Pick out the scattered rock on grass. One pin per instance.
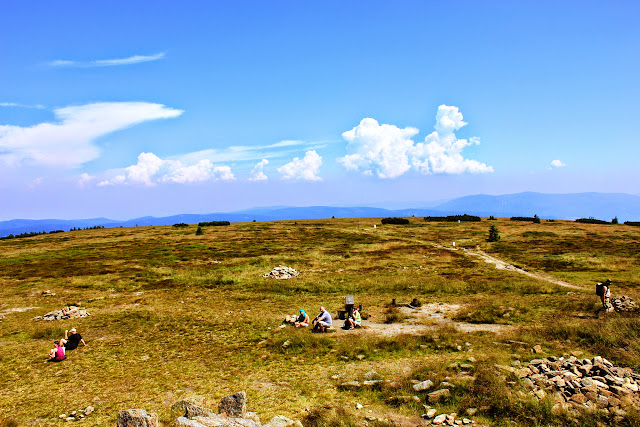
(70, 312)
(136, 418)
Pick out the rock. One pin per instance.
(579, 398)
(372, 375)
(424, 385)
(234, 405)
(89, 410)
(286, 344)
(466, 421)
(471, 411)
(186, 422)
(136, 418)
(372, 383)
(438, 395)
(350, 385)
(253, 417)
(359, 406)
(431, 413)
(62, 416)
(282, 421)
(191, 406)
(439, 419)
(537, 349)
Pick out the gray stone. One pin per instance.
(440, 419)
(234, 405)
(424, 385)
(191, 406)
(438, 395)
(350, 385)
(431, 413)
(186, 422)
(282, 421)
(136, 418)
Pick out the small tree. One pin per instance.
(536, 219)
(614, 220)
(199, 232)
(494, 234)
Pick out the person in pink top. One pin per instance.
(57, 354)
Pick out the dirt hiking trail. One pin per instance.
(503, 265)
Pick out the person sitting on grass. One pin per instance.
(57, 354)
(70, 342)
(322, 321)
(303, 320)
(354, 320)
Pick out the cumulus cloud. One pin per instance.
(383, 149)
(257, 173)
(389, 151)
(135, 59)
(557, 164)
(85, 179)
(305, 169)
(70, 141)
(151, 169)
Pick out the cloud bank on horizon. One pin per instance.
(389, 152)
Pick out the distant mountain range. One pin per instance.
(557, 206)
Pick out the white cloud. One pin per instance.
(70, 141)
(305, 169)
(14, 104)
(85, 179)
(257, 173)
(135, 59)
(389, 151)
(557, 164)
(380, 148)
(151, 169)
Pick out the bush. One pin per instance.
(591, 220)
(536, 219)
(633, 223)
(395, 220)
(526, 218)
(213, 223)
(492, 218)
(180, 225)
(614, 220)
(494, 234)
(199, 231)
(453, 218)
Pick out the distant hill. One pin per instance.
(557, 206)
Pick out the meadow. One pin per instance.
(174, 314)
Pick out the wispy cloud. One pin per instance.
(16, 105)
(135, 59)
(70, 141)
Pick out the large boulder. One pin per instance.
(136, 418)
(234, 405)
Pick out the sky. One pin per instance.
(123, 109)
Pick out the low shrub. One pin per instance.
(213, 223)
(591, 220)
(180, 225)
(395, 220)
(454, 218)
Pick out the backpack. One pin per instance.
(599, 289)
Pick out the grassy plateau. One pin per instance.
(174, 314)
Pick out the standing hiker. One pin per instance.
(604, 292)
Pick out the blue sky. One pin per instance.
(124, 110)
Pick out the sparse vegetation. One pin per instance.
(162, 286)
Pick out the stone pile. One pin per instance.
(580, 383)
(447, 419)
(624, 304)
(70, 312)
(282, 272)
(77, 415)
(232, 412)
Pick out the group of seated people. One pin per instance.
(70, 341)
(323, 320)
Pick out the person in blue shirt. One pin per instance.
(322, 321)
